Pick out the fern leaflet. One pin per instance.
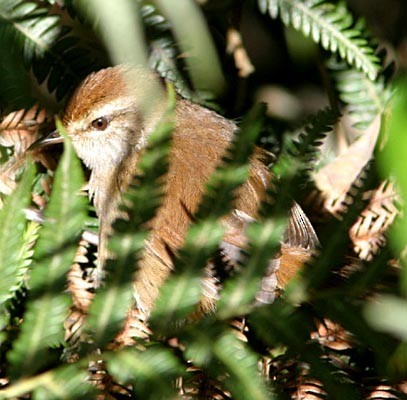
(47, 306)
(328, 24)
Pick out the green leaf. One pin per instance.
(292, 168)
(264, 242)
(13, 246)
(165, 56)
(151, 372)
(63, 383)
(48, 304)
(68, 382)
(213, 347)
(364, 98)
(36, 34)
(391, 163)
(240, 363)
(330, 25)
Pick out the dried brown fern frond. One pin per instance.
(334, 181)
(18, 130)
(368, 232)
(8, 175)
(21, 128)
(379, 390)
(331, 335)
(81, 286)
(135, 328)
(309, 389)
(108, 389)
(198, 385)
(292, 376)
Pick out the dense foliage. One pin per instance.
(338, 330)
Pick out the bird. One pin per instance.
(108, 125)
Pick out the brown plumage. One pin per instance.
(109, 133)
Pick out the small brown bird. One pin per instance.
(109, 132)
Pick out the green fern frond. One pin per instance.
(330, 25)
(181, 293)
(212, 346)
(164, 55)
(264, 241)
(292, 168)
(282, 323)
(45, 45)
(27, 251)
(111, 304)
(29, 28)
(364, 99)
(13, 225)
(47, 307)
(306, 145)
(240, 364)
(151, 372)
(65, 382)
(298, 156)
(334, 249)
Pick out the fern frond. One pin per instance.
(111, 304)
(164, 55)
(334, 249)
(298, 157)
(264, 242)
(26, 252)
(45, 45)
(364, 98)
(212, 346)
(66, 382)
(291, 168)
(47, 307)
(281, 323)
(240, 363)
(329, 25)
(151, 372)
(181, 293)
(21, 128)
(307, 145)
(13, 225)
(368, 232)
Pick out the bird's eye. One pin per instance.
(100, 124)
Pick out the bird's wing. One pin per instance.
(300, 233)
(300, 243)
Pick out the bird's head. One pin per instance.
(111, 113)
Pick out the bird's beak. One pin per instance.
(53, 138)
